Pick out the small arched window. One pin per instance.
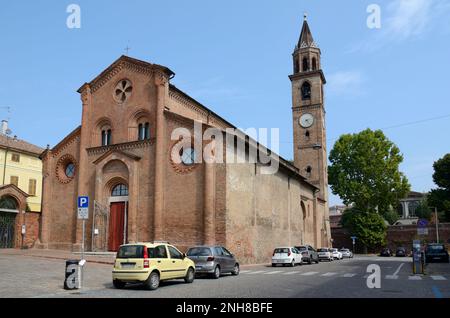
(305, 65)
(296, 66)
(314, 64)
(306, 91)
(106, 137)
(120, 190)
(308, 171)
(144, 131)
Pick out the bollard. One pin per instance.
(73, 275)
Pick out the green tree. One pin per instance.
(364, 171)
(423, 211)
(391, 216)
(440, 197)
(369, 228)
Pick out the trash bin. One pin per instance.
(73, 275)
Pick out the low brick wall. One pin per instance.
(403, 235)
(398, 235)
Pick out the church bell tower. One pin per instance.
(308, 112)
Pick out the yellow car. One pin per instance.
(150, 263)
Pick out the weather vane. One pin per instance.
(305, 16)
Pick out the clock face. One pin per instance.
(306, 121)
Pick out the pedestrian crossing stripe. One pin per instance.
(328, 274)
(438, 277)
(274, 272)
(245, 272)
(290, 273)
(349, 275)
(257, 272)
(309, 273)
(414, 278)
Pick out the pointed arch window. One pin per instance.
(305, 64)
(306, 91)
(314, 64)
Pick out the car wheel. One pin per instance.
(118, 284)
(236, 270)
(216, 274)
(190, 275)
(152, 281)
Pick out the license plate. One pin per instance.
(128, 265)
(198, 267)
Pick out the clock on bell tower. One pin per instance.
(310, 153)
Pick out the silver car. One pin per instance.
(213, 260)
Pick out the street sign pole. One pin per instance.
(437, 225)
(83, 214)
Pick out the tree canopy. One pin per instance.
(369, 228)
(364, 171)
(440, 197)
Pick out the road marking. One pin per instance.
(290, 273)
(349, 275)
(415, 278)
(246, 271)
(274, 272)
(438, 277)
(329, 274)
(395, 275)
(309, 273)
(257, 272)
(437, 293)
(391, 277)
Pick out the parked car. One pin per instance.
(386, 252)
(336, 254)
(436, 252)
(309, 254)
(286, 256)
(401, 252)
(324, 254)
(346, 253)
(149, 264)
(213, 260)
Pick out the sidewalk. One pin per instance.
(100, 258)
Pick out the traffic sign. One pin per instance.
(422, 223)
(83, 207)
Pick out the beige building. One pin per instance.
(20, 189)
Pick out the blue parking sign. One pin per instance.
(83, 202)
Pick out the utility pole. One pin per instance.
(437, 224)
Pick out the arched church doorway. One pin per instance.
(118, 223)
(9, 209)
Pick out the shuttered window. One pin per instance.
(32, 187)
(14, 180)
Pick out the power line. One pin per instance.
(394, 126)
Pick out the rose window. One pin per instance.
(123, 91)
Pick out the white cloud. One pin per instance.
(405, 20)
(345, 82)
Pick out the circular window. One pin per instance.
(183, 157)
(66, 168)
(70, 170)
(188, 156)
(123, 91)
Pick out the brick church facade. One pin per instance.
(121, 156)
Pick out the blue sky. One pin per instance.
(235, 57)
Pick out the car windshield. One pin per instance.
(322, 250)
(301, 248)
(333, 250)
(281, 250)
(199, 251)
(344, 250)
(435, 248)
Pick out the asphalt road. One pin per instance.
(24, 276)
